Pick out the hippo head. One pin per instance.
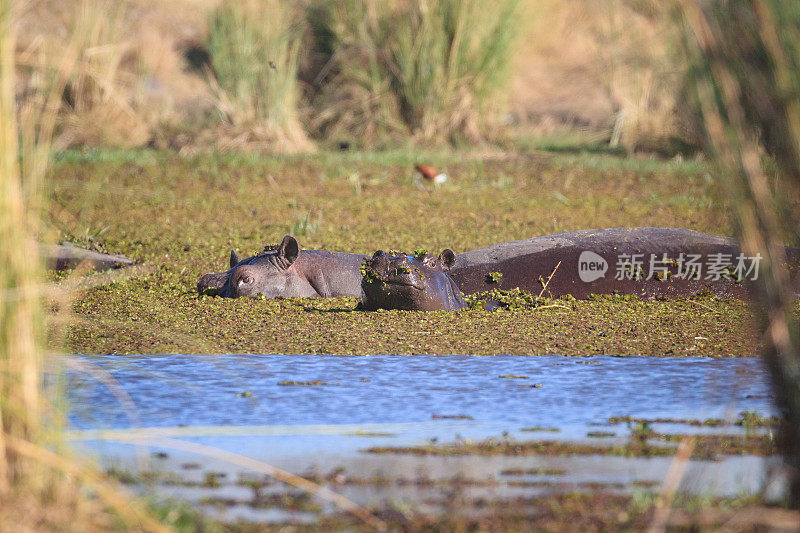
(271, 274)
(416, 282)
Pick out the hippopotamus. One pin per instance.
(289, 272)
(417, 282)
(647, 262)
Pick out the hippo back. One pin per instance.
(640, 261)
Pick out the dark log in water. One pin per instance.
(67, 256)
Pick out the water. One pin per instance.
(235, 403)
(201, 390)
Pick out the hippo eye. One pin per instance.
(245, 280)
(432, 264)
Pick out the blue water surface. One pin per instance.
(575, 393)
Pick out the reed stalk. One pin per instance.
(745, 57)
(20, 358)
(41, 485)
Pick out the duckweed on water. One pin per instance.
(600, 434)
(507, 299)
(494, 277)
(138, 316)
(312, 383)
(599, 507)
(706, 447)
(747, 419)
(174, 214)
(533, 472)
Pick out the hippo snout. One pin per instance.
(211, 283)
(411, 282)
(392, 268)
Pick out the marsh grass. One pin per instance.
(373, 74)
(304, 223)
(355, 100)
(643, 75)
(435, 70)
(450, 60)
(255, 49)
(745, 57)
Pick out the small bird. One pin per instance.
(430, 173)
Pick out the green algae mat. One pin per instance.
(180, 216)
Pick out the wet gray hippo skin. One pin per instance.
(288, 272)
(410, 282)
(522, 263)
(526, 262)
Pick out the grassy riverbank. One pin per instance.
(181, 217)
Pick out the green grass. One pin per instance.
(450, 59)
(255, 51)
(435, 70)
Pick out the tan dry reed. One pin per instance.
(41, 486)
(745, 57)
(644, 76)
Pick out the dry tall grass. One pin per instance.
(381, 72)
(41, 488)
(101, 102)
(130, 86)
(606, 67)
(746, 57)
(642, 73)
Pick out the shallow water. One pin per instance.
(398, 400)
(201, 390)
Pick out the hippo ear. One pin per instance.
(288, 250)
(235, 259)
(447, 259)
(377, 254)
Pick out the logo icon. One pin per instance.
(591, 266)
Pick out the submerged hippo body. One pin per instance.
(288, 272)
(646, 262)
(410, 282)
(526, 264)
